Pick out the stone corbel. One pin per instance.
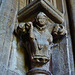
(25, 33)
(29, 12)
(38, 40)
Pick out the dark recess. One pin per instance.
(71, 25)
(0, 2)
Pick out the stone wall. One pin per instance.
(8, 12)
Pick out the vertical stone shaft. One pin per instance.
(71, 13)
(8, 11)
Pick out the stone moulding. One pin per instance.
(38, 72)
(32, 9)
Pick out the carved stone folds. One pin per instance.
(37, 40)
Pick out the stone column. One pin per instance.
(71, 13)
(8, 12)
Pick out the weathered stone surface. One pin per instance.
(2, 70)
(71, 13)
(10, 72)
(23, 3)
(6, 71)
(0, 2)
(37, 40)
(8, 11)
(13, 60)
(29, 12)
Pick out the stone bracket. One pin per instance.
(29, 12)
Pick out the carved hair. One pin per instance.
(41, 14)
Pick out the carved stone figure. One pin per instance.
(37, 40)
(42, 38)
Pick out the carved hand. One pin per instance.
(29, 28)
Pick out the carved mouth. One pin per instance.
(40, 59)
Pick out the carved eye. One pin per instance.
(40, 59)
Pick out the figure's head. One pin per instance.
(41, 19)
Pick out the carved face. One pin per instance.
(41, 19)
